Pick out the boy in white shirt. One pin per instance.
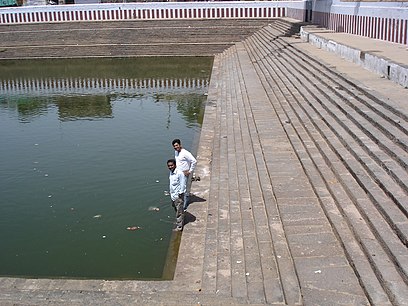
(177, 189)
(186, 162)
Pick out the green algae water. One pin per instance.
(83, 147)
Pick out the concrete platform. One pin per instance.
(303, 191)
(387, 59)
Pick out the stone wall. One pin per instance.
(386, 21)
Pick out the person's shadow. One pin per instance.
(188, 217)
(195, 199)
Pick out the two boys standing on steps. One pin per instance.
(181, 169)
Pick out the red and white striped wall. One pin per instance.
(299, 14)
(143, 11)
(386, 21)
(383, 28)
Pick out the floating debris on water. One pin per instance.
(166, 221)
(133, 228)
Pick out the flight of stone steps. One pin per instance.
(240, 259)
(353, 146)
(124, 38)
(89, 295)
(254, 250)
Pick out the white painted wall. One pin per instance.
(397, 10)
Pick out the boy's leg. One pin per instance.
(179, 214)
(187, 193)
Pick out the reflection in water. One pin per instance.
(84, 89)
(77, 107)
(90, 138)
(80, 86)
(28, 108)
(90, 98)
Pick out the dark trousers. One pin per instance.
(178, 206)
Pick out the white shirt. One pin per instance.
(185, 160)
(177, 184)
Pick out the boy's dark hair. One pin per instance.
(171, 160)
(176, 141)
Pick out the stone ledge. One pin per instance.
(370, 59)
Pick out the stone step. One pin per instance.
(235, 207)
(290, 58)
(381, 133)
(130, 38)
(304, 221)
(119, 36)
(277, 265)
(209, 279)
(207, 49)
(385, 140)
(351, 247)
(380, 113)
(260, 254)
(245, 279)
(278, 67)
(366, 147)
(288, 26)
(92, 297)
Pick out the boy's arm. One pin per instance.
(192, 161)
